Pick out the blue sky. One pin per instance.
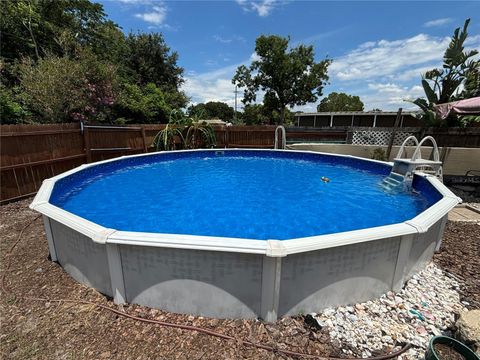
(379, 48)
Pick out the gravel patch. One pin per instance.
(423, 308)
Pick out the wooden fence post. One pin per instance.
(144, 140)
(394, 130)
(227, 136)
(86, 140)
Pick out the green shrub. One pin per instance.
(61, 89)
(379, 154)
(142, 104)
(11, 111)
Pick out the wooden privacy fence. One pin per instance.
(32, 153)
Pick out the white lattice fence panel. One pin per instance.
(369, 137)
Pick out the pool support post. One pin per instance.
(49, 234)
(116, 273)
(402, 260)
(271, 279)
(271, 276)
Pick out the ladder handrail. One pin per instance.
(402, 148)
(417, 154)
(284, 137)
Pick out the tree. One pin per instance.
(212, 110)
(149, 60)
(57, 60)
(441, 85)
(340, 102)
(254, 114)
(35, 28)
(138, 104)
(60, 89)
(11, 110)
(258, 114)
(288, 76)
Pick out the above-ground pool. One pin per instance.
(241, 233)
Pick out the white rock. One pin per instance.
(382, 322)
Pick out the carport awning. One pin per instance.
(461, 107)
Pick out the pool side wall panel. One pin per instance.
(207, 283)
(236, 285)
(315, 280)
(424, 246)
(85, 260)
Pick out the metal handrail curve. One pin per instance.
(402, 148)
(417, 154)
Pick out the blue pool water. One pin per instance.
(242, 194)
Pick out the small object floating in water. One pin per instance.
(325, 179)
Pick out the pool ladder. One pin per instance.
(403, 170)
(283, 135)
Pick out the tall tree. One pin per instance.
(47, 46)
(34, 28)
(460, 67)
(212, 110)
(150, 60)
(288, 77)
(340, 102)
(258, 114)
(254, 114)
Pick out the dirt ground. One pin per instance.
(39, 329)
(460, 256)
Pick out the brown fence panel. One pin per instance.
(455, 137)
(106, 142)
(32, 153)
(324, 135)
(151, 130)
(250, 136)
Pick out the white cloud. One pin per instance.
(390, 96)
(415, 73)
(202, 90)
(215, 85)
(438, 22)
(314, 38)
(386, 58)
(135, 2)
(155, 15)
(228, 40)
(474, 41)
(211, 63)
(384, 73)
(263, 7)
